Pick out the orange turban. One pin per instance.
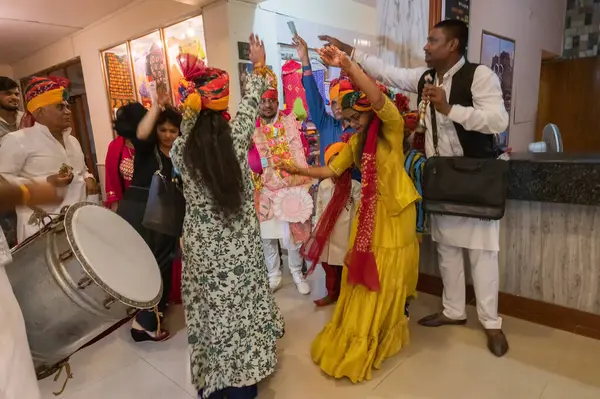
(333, 150)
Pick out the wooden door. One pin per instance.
(81, 132)
(569, 97)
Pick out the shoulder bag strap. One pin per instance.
(159, 160)
(434, 131)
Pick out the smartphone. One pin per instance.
(292, 27)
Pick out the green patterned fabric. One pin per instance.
(233, 322)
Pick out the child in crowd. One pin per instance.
(336, 204)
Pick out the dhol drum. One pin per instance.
(82, 272)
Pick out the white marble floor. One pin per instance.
(443, 363)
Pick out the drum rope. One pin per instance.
(67, 367)
(158, 317)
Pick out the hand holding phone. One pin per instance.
(292, 27)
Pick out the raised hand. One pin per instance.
(302, 49)
(333, 56)
(332, 41)
(258, 55)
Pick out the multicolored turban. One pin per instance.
(41, 92)
(358, 101)
(206, 88)
(340, 87)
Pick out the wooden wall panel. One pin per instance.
(435, 12)
(569, 97)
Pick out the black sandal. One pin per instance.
(142, 336)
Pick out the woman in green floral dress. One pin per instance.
(232, 319)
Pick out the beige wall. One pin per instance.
(535, 25)
(6, 70)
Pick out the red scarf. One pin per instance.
(360, 260)
(313, 247)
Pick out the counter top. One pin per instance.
(555, 157)
(558, 178)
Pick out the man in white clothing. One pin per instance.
(46, 152)
(17, 376)
(469, 111)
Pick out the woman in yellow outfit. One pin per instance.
(370, 323)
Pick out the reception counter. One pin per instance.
(549, 243)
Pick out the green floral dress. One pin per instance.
(233, 322)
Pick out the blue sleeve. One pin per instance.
(329, 128)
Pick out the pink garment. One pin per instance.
(272, 178)
(118, 169)
(291, 75)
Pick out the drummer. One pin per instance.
(17, 375)
(46, 151)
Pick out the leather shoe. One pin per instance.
(439, 320)
(497, 342)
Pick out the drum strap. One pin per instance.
(67, 367)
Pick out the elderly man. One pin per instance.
(17, 376)
(46, 152)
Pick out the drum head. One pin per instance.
(114, 255)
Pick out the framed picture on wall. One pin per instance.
(498, 53)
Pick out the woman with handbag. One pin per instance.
(152, 133)
(233, 322)
(370, 322)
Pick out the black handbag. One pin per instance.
(460, 186)
(165, 209)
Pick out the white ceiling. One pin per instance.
(27, 26)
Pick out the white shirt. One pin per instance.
(336, 247)
(33, 154)
(487, 115)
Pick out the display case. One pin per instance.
(129, 68)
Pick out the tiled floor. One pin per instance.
(443, 363)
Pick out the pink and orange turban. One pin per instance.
(340, 87)
(41, 92)
(210, 88)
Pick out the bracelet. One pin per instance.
(25, 194)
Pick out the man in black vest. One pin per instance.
(469, 111)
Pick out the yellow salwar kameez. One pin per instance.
(369, 327)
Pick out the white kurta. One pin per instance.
(17, 375)
(336, 247)
(487, 115)
(33, 154)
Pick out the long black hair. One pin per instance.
(211, 158)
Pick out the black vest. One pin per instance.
(474, 144)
